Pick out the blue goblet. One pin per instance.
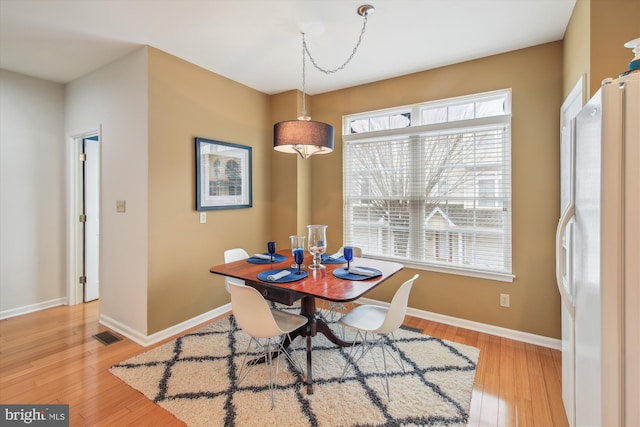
(298, 257)
(271, 248)
(347, 252)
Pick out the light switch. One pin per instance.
(121, 206)
(203, 217)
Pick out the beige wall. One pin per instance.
(612, 24)
(594, 41)
(535, 76)
(290, 201)
(186, 101)
(576, 48)
(114, 100)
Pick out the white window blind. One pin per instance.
(436, 191)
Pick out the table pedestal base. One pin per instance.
(313, 327)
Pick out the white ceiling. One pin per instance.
(258, 42)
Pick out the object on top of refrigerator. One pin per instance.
(634, 65)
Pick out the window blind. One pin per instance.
(436, 194)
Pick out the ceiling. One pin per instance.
(258, 42)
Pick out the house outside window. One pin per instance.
(429, 185)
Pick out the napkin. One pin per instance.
(335, 256)
(262, 256)
(362, 272)
(278, 276)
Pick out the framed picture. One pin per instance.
(223, 175)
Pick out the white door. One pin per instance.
(570, 108)
(91, 193)
(587, 237)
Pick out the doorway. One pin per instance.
(84, 218)
(91, 224)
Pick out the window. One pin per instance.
(429, 185)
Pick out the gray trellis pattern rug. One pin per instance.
(194, 378)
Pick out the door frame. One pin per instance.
(75, 243)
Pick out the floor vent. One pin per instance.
(107, 337)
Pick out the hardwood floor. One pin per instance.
(50, 357)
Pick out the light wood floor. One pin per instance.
(50, 357)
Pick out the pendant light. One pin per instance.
(305, 136)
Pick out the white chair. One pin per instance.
(267, 328)
(381, 323)
(231, 255)
(340, 307)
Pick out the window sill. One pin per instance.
(479, 274)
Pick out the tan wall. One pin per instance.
(594, 41)
(613, 23)
(291, 177)
(186, 101)
(535, 76)
(576, 48)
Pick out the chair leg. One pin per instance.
(268, 357)
(353, 357)
(366, 346)
(394, 346)
(332, 317)
(244, 370)
(266, 350)
(385, 386)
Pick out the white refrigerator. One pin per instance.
(598, 259)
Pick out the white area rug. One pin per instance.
(194, 378)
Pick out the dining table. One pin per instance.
(318, 283)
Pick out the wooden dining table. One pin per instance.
(319, 283)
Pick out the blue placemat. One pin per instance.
(276, 258)
(292, 277)
(327, 260)
(343, 273)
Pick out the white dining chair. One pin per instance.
(374, 327)
(337, 309)
(231, 255)
(268, 329)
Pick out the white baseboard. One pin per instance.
(147, 340)
(32, 308)
(512, 334)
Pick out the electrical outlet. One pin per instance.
(505, 300)
(203, 217)
(121, 206)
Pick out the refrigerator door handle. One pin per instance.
(566, 216)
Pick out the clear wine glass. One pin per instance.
(271, 248)
(317, 242)
(298, 257)
(297, 242)
(347, 252)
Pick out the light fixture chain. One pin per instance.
(304, 81)
(353, 53)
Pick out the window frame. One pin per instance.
(417, 128)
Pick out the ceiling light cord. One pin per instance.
(364, 11)
(303, 115)
(304, 136)
(353, 53)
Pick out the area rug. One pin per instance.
(195, 378)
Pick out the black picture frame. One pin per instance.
(223, 175)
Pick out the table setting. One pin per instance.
(317, 247)
(287, 274)
(267, 258)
